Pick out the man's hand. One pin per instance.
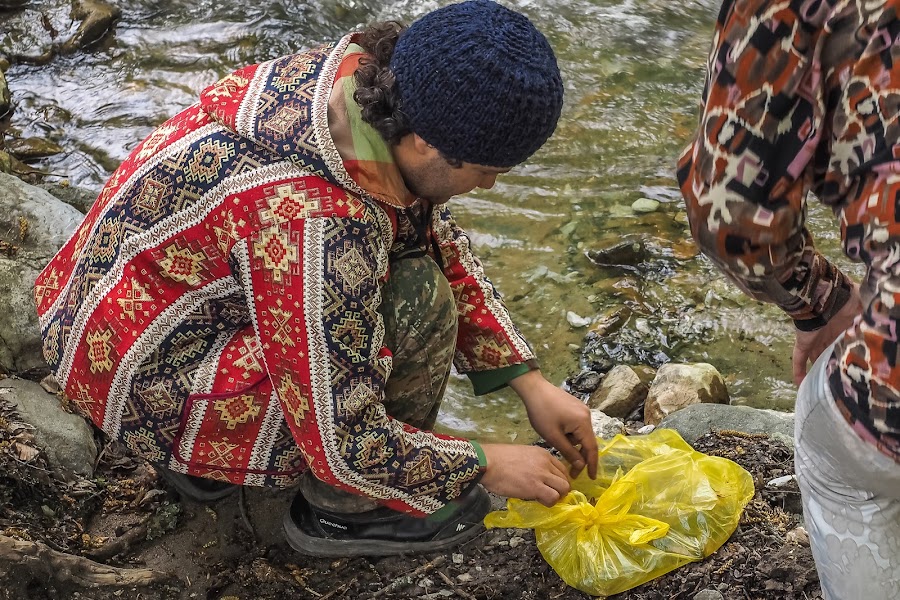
(561, 419)
(809, 345)
(525, 472)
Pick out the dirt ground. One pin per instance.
(125, 534)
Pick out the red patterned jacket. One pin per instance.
(217, 310)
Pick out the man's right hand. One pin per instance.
(525, 472)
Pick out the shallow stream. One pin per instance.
(633, 72)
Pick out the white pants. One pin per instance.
(851, 498)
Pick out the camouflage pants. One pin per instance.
(420, 321)
(851, 498)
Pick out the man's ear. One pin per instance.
(421, 146)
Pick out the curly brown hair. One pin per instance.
(376, 92)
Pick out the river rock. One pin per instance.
(5, 162)
(5, 97)
(605, 426)
(32, 31)
(79, 197)
(66, 439)
(700, 419)
(678, 385)
(645, 205)
(46, 224)
(585, 382)
(31, 148)
(620, 392)
(97, 18)
(629, 253)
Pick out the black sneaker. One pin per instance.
(382, 532)
(197, 489)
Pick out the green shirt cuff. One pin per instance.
(451, 507)
(485, 382)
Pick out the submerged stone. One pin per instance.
(32, 148)
(645, 205)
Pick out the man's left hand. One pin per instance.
(561, 419)
(809, 345)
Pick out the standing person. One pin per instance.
(805, 97)
(272, 289)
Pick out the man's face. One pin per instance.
(434, 179)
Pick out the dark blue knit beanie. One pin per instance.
(479, 83)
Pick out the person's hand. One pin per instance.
(809, 345)
(525, 472)
(561, 419)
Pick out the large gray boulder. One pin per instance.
(33, 226)
(677, 386)
(81, 198)
(700, 419)
(65, 438)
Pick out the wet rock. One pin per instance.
(685, 249)
(5, 162)
(33, 226)
(585, 382)
(66, 439)
(7, 4)
(611, 321)
(80, 198)
(5, 97)
(97, 18)
(576, 320)
(604, 426)
(645, 205)
(32, 148)
(620, 392)
(695, 421)
(623, 254)
(677, 386)
(34, 31)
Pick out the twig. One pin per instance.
(454, 587)
(42, 562)
(120, 544)
(339, 590)
(400, 581)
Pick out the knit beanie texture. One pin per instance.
(478, 82)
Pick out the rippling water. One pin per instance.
(633, 72)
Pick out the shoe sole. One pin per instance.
(328, 548)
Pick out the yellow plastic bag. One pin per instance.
(656, 504)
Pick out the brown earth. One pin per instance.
(58, 540)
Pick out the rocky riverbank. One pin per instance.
(121, 531)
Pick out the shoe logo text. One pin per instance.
(460, 527)
(335, 525)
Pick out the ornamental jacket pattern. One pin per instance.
(217, 310)
(805, 96)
